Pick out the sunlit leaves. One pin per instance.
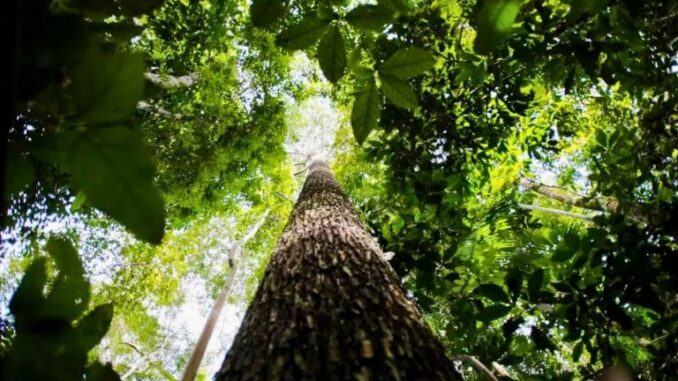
(403, 64)
(494, 23)
(365, 113)
(302, 35)
(332, 54)
(265, 12)
(106, 86)
(370, 17)
(398, 91)
(407, 63)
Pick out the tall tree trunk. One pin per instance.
(330, 307)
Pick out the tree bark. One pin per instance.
(330, 307)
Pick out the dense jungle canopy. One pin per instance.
(517, 160)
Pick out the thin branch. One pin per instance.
(479, 366)
(558, 212)
(284, 196)
(157, 110)
(170, 82)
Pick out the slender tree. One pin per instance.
(235, 252)
(330, 307)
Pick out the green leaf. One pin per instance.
(492, 292)
(70, 294)
(92, 328)
(29, 294)
(302, 35)
(407, 63)
(562, 254)
(106, 86)
(571, 240)
(398, 91)
(580, 8)
(493, 312)
(365, 111)
(577, 351)
(114, 169)
(535, 282)
(79, 201)
(332, 54)
(514, 282)
(541, 339)
(99, 372)
(396, 6)
(370, 17)
(494, 24)
(265, 12)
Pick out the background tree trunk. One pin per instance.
(330, 307)
(235, 252)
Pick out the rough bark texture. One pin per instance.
(330, 307)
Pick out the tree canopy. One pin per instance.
(518, 158)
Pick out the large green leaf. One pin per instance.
(29, 294)
(492, 292)
(114, 170)
(407, 63)
(100, 372)
(106, 86)
(302, 35)
(70, 292)
(563, 254)
(92, 328)
(332, 54)
(370, 17)
(493, 312)
(265, 12)
(398, 91)
(535, 282)
(365, 113)
(494, 23)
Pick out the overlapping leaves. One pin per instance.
(52, 339)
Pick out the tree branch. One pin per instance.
(557, 212)
(171, 82)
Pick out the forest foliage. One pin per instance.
(518, 157)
